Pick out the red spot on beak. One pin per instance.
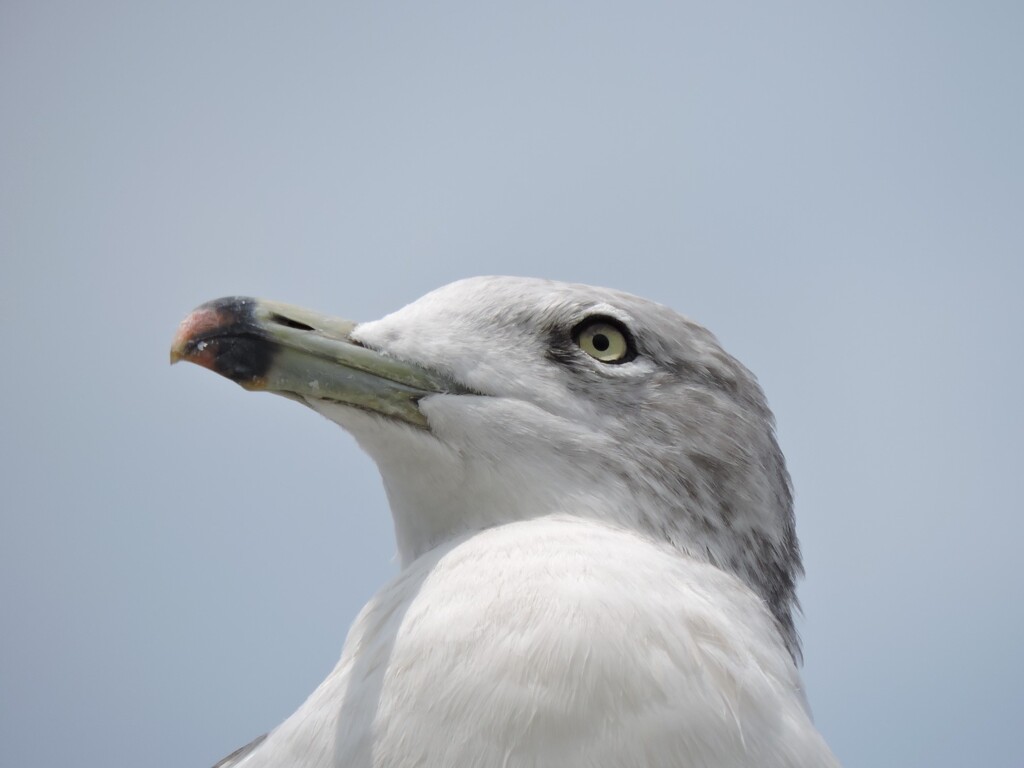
(189, 343)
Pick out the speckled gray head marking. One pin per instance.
(678, 423)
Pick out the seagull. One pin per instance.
(594, 523)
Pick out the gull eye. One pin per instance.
(604, 339)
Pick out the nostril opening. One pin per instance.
(289, 323)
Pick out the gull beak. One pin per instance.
(269, 346)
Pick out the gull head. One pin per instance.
(498, 399)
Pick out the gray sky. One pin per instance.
(836, 191)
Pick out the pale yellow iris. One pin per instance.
(603, 341)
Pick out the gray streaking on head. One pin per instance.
(595, 527)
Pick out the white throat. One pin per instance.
(485, 462)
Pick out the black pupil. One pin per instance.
(601, 342)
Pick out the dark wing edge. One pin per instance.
(235, 757)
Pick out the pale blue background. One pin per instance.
(836, 190)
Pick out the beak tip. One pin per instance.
(225, 337)
(201, 321)
(178, 347)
